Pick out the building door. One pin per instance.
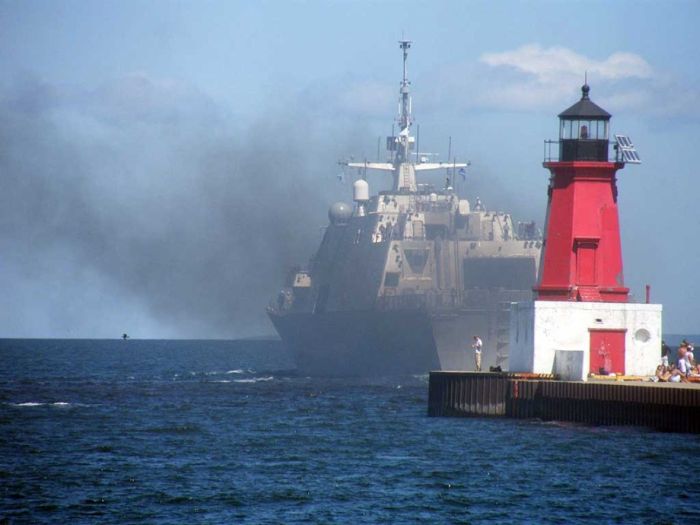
(607, 351)
(586, 261)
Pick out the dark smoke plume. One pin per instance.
(145, 196)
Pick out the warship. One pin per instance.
(404, 279)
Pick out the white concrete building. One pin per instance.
(573, 339)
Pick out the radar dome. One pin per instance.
(339, 213)
(360, 190)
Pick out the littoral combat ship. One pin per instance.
(404, 279)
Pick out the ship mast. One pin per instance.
(403, 168)
(404, 118)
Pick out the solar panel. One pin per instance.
(627, 150)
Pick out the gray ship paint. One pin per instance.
(402, 284)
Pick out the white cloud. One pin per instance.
(533, 77)
(548, 65)
(527, 78)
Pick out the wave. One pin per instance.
(200, 373)
(235, 375)
(254, 379)
(38, 404)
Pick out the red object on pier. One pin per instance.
(582, 255)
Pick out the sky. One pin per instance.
(163, 163)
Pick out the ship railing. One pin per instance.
(434, 300)
(430, 300)
(433, 206)
(401, 302)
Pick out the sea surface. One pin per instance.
(111, 431)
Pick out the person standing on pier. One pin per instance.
(683, 365)
(665, 351)
(477, 352)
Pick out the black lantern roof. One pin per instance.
(585, 108)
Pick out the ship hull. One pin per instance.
(381, 343)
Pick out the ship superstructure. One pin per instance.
(403, 279)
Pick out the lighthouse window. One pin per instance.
(602, 130)
(584, 130)
(566, 126)
(581, 129)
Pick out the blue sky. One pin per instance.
(127, 123)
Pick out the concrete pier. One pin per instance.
(668, 407)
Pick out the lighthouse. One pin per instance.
(581, 320)
(582, 259)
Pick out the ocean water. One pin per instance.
(100, 431)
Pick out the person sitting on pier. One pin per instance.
(662, 373)
(678, 374)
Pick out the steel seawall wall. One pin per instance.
(663, 407)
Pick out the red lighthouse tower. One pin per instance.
(582, 256)
(582, 321)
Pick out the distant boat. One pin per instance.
(125, 336)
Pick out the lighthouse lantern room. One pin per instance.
(583, 131)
